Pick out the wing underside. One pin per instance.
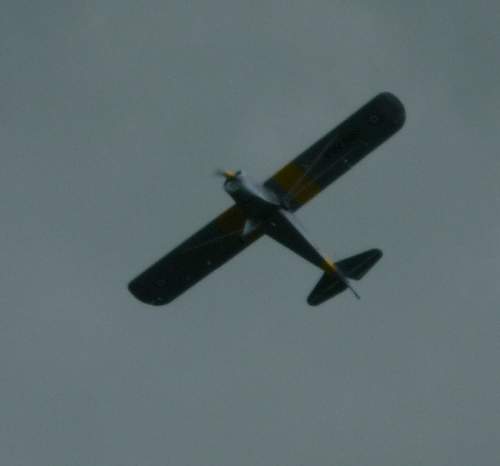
(334, 154)
(194, 259)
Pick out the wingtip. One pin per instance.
(397, 109)
(143, 295)
(313, 301)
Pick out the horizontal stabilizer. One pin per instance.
(357, 266)
(327, 287)
(354, 267)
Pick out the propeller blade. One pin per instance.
(227, 174)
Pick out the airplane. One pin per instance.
(269, 209)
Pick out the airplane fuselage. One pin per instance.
(257, 202)
(265, 210)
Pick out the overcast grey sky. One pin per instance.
(114, 115)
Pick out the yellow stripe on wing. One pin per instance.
(231, 220)
(287, 179)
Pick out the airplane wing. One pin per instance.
(340, 149)
(194, 259)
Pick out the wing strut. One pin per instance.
(298, 182)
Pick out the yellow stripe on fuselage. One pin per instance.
(329, 265)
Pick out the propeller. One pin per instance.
(227, 174)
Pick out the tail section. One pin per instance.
(354, 267)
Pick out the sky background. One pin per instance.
(114, 115)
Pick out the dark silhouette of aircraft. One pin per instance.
(268, 209)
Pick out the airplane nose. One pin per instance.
(231, 186)
(228, 174)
